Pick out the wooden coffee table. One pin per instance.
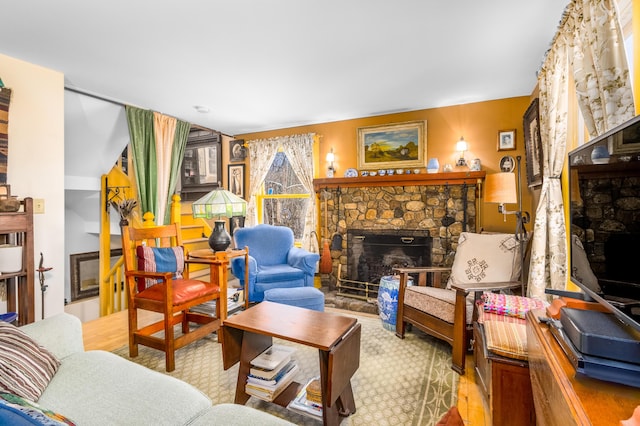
(337, 338)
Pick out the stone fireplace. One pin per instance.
(434, 208)
(373, 254)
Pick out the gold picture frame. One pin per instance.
(507, 140)
(391, 146)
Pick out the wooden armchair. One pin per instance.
(483, 262)
(158, 280)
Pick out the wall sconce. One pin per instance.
(502, 188)
(330, 159)
(461, 147)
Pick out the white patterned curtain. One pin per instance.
(599, 64)
(261, 155)
(548, 265)
(589, 40)
(299, 150)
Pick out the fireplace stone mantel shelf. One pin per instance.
(420, 179)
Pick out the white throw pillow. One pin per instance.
(484, 258)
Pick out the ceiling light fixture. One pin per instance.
(202, 109)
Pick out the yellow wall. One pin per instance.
(478, 123)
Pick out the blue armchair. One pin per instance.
(273, 260)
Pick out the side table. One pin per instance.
(219, 268)
(337, 338)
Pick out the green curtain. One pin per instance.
(144, 156)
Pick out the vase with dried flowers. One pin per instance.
(124, 208)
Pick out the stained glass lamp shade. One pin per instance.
(219, 203)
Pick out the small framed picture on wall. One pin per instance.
(507, 140)
(237, 151)
(236, 179)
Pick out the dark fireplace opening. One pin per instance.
(372, 254)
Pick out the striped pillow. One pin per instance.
(159, 259)
(26, 368)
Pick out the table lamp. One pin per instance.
(219, 203)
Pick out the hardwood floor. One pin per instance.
(110, 333)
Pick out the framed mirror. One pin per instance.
(201, 170)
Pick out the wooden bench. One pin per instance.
(504, 382)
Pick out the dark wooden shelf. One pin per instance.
(617, 169)
(18, 227)
(420, 179)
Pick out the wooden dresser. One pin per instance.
(563, 398)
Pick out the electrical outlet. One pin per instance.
(38, 205)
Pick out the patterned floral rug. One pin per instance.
(399, 382)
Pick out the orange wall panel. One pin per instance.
(479, 124)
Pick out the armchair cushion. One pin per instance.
(439, 302)
(278, 273)
(26, 368)
(159, 259)
(485, 258)
(506, 339)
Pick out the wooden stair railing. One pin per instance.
(112, 291)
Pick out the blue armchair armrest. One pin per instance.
(237, 268)
(302, 259)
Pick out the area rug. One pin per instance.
(399, 382)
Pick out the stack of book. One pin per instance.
(271, 372)
(309, 400)
(234, 305)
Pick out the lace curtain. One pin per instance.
(549, 246)
(589, 41)
(599, 65)
(299, 151)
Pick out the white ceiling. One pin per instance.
(260, 65)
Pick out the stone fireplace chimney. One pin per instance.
(441, 205)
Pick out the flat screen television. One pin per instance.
(604, 192)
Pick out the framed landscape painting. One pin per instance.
(391, 146)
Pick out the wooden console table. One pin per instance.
(561, 397)
(336, 337)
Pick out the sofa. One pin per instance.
(98, 387)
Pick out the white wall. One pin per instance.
(36, 165)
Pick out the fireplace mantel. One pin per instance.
(420, 179)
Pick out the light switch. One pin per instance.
(38, 205)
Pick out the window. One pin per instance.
(284, 200)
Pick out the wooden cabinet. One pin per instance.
(17, 228)
(564, 398)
